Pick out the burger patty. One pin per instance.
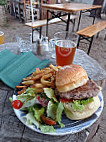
(90, 89)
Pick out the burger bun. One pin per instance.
(70, 77)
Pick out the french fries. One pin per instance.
(40, 79)
(46, 82)
(28, 82)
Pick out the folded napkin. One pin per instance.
(15, 67)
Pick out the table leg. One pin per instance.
(40, 32)
(78, 41)
(97, 35)
(90, 45)
(73, 25)
(68, 21)
(47, 23)
(79, 20)
(94, 16)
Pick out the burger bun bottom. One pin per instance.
(87, 112)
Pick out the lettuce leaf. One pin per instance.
(10, 99)
(51, 109)
(54, 110)
(29, 103)
(24, 97)
(60, 109)
(79, 104)
(27, 95)
(50, 94)
(29, 119)
(45, 129)
(30, 91)
(38, 113)
(87, 101)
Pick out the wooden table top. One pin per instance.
(11, 129)
(70, 7)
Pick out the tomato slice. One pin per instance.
(64, 100)
(48, 120)
(17, 104)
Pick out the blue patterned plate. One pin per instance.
(71, 126)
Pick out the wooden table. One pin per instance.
(11, 129)
(69, 8)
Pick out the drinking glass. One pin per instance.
(24, 42)
(1, 37)
(65, 47)
(52, 48)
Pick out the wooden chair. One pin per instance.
(89, 32)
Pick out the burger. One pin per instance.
(77, 92)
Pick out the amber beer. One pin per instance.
(65, 50)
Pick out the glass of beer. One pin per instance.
(1, 37)
(65, 46)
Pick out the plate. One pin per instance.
(71, 126)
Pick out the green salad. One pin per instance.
(43, 109)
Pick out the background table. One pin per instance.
(11, 129)
(69, 8)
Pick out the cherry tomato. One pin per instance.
(47, 120)
(17, 104)
(64, 100)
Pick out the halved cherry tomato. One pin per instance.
(48, 120)
(64, 100)
(17, 104)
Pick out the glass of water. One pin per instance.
(24, 42)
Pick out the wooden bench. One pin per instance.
(89, 32)
(40, 23)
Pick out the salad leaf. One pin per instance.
(45, 129)
(38, 113)
(29, 103)
(24, 97)
(30, 91)
(27, 95)
(51, 109)
(79, 104)
(50, 94)
(29, 119)
(60, 109)
(10, 99)
(30, 109)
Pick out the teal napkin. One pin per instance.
(13, 68)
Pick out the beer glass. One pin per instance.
(65, 46)
(1, 37)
